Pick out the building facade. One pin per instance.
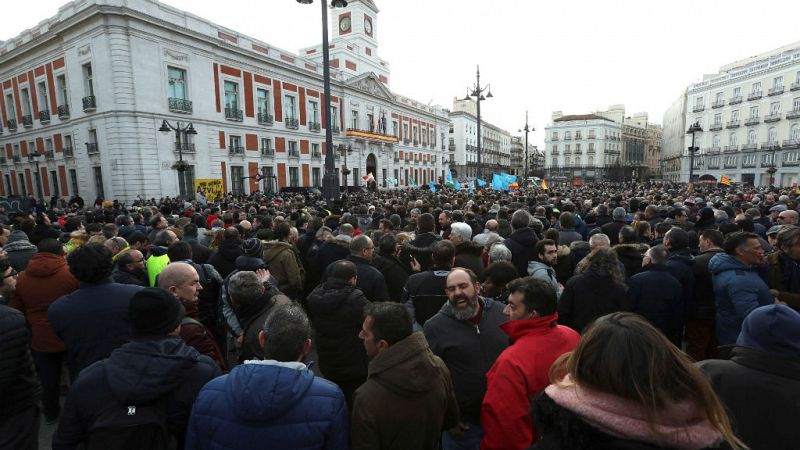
(463, 143)
(750, 116)
(582, 148)
(88, 91)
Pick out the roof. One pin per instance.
(573, 117)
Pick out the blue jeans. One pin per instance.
(470, 440)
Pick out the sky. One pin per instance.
(575, 56)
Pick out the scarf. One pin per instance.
(682, 425)
(791, 274)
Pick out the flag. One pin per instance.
(544, 184)
(457, 185)
(497, 182)
(725, 180)
(432, 187)
(480, 182)
(449, 178)
(369, 178)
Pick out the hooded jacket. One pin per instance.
(468, 350)
(337, 314)
(587, 296)
(519, 374)
(19, 250)
(45, 280)
(285, 265)
(656, 295)
(224, 258)
(542, 271)
(760, 383)
(395, 273)
(630, 255)
(269, 403)
(138, 373)
(407, 400)
(157, 261)
(738, 290)
(468, 256)
(522, 244)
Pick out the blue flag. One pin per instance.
(433, 188)
(457, 185)
(480, 182)
(497, 182)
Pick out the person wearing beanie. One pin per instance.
(283, 258)
(155, 368)
(760, 382)
(705, 219)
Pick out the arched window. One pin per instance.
(715, 141)
(794, 133)
(591, 161)
(733, 141)
(566, 161)
(772, 135)
(751, 137)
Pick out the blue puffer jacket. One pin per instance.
(269, 404)
(738, 290)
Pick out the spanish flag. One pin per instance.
(544, 185)
(725, 180)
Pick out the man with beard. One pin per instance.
(130, 269)
(466, 334)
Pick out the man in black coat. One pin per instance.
(420, 247)
(156, 366)
(522, 241)
(337, 313)
(224, 258)
(680, 264)
(611, 229)
(333, 249)
(394, 271)
(760, 383)
(602, 216)
(701, 342)
(370, 279)
(429, 286)
(468, 255)
(655, 294)
(129, 269)
(19, 385)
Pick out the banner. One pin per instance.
(210, 188)
(725, 180)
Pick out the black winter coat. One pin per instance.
(468, 256)
(522, 244)
(630, 255)
(224, 258)
(328, 252)
(395, 273)
(587, 296)
(369, 279)
(122, 276)
(681, 264)
(337, 313)
(704, 305)
(19, 385)
(420, 249)
(611, 230)
(656, 295)
(761, 392)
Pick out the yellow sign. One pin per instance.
(210, 188)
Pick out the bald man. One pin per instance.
(788, 217)
(182, 281)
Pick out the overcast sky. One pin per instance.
(575, 56)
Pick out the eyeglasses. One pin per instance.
(137, 261)
(13, 273)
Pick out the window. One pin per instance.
(294, 177)
(555, 149)
(777, 82)
(266, 146)
(415, 134)
(567, 135)
(237, 180)
(88, 81)
(12, 113)
(356, 177)
(698, 102)
(61, 90)
(315, 149)
(176, 87)
(756, 87)
(567, 148)
(735, 115)
(737, 91)
(794, 133)
(790, 157)
(394, 128)
(577, 148)
(749, 159)
(73, 181)
(22, 184)
(315, 177)
(292, 146)
(591, 161)
(775, 108)
(719, 98)
(733, 141)
(25, 100)
(715, 141)
(41, 89)
(591, 146)
(405, 131)
(231, 96)
(334, 117)
(772, 136)
(577, 135)
(751, 137)
(371, 122)
(754, 112)
(9, 191)
(555, 135)
(796, 104)
(767, 159)
(313, 111)
(262, 101)
(235, 144)
(93, 147)
(98, 181)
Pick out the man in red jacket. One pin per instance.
(521, 371)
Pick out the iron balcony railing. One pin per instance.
(44, 116)
(718, 104)
(698, 108)
(735, 100)
(63, 112)
(753, 120)
(732, 124)
(184, 147)
(265, 119)
(27, 121)
(793, 114)
(291, 123)
(791, 143)
(233, 114)
(772, 117)
(236, 150)
(180, 105)
(89, 103)
(314, 126)
(11, 124)
(267, 151)
(68, 151)
(92, 148)
(777, 90)
(755, 95)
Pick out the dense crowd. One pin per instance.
(636, 316)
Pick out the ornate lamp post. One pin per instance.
(693, 129)
(34, 158)
(526, 129)
(330, 181)
(772, 168)
(182, 134)
(477, 91)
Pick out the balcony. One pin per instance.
(750, 147)
(267, 151)
(180, 105)
(755, 120)
(730, 148)
(235, 150)
(777, 90)
(291, 123)
(63, 112)
(92, 148)
(554, 139)
(406, 141)
(294, 153)
(568, 138)
(713, 165)
(233, 114)
(699, 108)
(730, 165)
(49, 154)
(713, 151)
(732, 124)
(591, 136)
(794, 114)
(68, 151)
(316, 154)
(790, 164)
(184, 147)
(718, 104)
(44, 116)
(578, 137)
(735, 100)
(17, 158)
(314, 126)
(772, 118)
(755, 95)
(791, 143)
(89, 103)
(795, 86)
(27, 121)
(748, 164)
(11, 124)
(715, 126)
(335, 129)
(265, 119)
(774, 145)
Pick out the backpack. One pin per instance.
(131, 427)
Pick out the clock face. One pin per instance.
(344, 23)
(368, 26)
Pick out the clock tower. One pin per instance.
(357, 20)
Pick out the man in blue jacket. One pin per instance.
(738, 288)
(275, 403)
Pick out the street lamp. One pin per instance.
(330, 181)
(181, 166)
(477, 92)
(345, 171)
(772, 169)
(693, 129)
(526, 129)
(34, 158)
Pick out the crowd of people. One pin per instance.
(636, 316)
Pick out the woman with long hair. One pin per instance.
(626, 386)
(598, 289)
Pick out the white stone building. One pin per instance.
(584, 147)
(88, 90)
(750, 116)
(463, 143)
